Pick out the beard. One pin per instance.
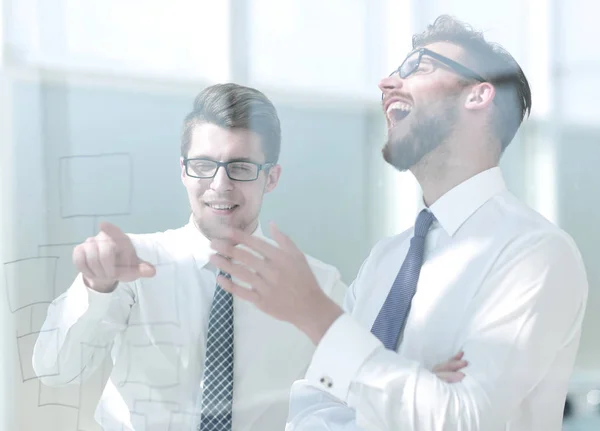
(428, 132)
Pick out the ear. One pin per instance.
(481, 96)
(182, 170)
(273, 178)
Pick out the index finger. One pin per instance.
(254, 243)
(113, 231)
(458, 356)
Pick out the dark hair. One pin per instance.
(495, 64)
(234, 106)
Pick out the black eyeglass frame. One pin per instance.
(457, 67)
(260, 167)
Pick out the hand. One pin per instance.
(109, 258)
(449, 371)
(282, 283)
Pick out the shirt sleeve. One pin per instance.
(313, 409)
(528, 309)
(80, 327)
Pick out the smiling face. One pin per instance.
(222, 202)
(422, 110)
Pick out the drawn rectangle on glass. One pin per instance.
(30, 281)
(25, 345)
(65, 396)
(96, 185)
(165, 374)
(65, 269)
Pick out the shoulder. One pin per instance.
(160, 247)
(524, 228)
(324, 272)
(530, 250)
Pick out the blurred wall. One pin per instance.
(78, 101)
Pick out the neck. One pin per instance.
(441, 171)
(216, 235)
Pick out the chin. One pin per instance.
(400, 158)
(212, 230)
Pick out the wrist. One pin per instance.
(323, 313)
(100, 286)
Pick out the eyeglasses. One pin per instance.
(413, 61)
(236, 170)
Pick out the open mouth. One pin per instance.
(397, 112)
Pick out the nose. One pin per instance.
(221, 182)
(390, 83)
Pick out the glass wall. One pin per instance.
(94, 87)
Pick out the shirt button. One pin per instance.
(326, 381)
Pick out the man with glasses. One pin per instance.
(479, 273)
(186, 355)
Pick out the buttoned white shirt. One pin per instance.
(155, 330)
(498, 282)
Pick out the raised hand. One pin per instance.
(280, 279)
(109, 258)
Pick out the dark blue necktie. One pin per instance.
(391, 317)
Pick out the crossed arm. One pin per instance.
(525, 325)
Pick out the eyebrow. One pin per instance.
(235, 159)
(436, 63)
(243, 159)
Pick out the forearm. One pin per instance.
(78, 332)
(314, 410)
(425, 402)
(390, 392)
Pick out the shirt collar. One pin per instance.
(458, 204)
(200, 244)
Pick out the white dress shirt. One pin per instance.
(155, 329)
(499, 282)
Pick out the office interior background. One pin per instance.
(93, 94)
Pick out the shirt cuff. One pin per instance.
(339, 356)
(95, 304)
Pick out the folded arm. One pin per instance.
(529, 308)
(315, 410)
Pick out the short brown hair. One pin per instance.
(234, 106)
(495, 64)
